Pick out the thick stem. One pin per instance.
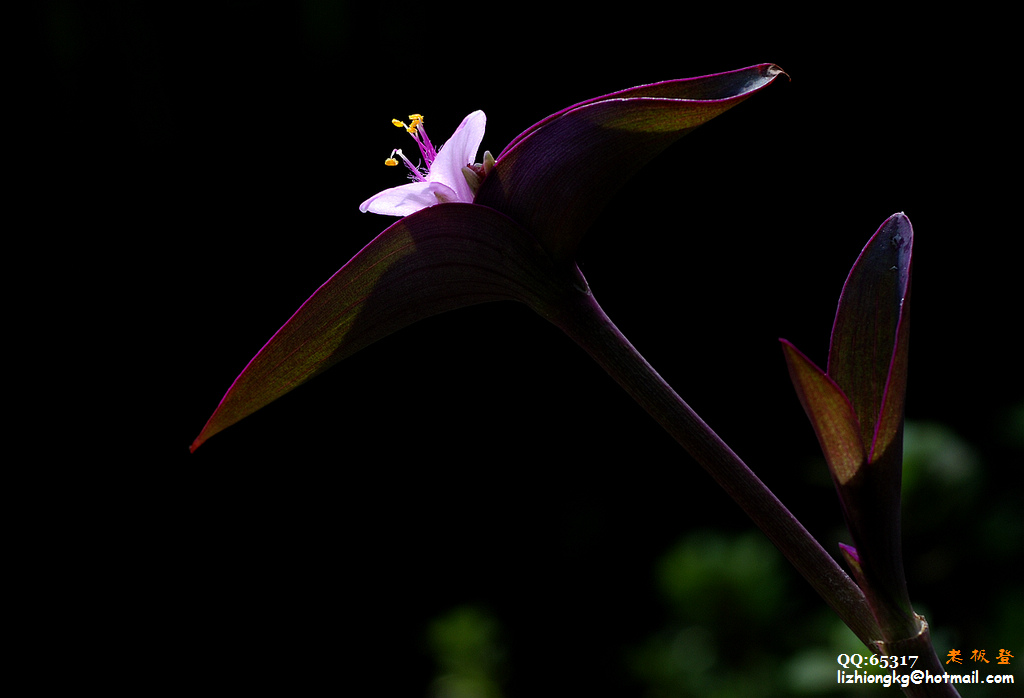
(928, 664)
(579, 316)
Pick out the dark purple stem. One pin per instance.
(578, 314)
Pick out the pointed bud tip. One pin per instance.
(849, 551)
(852, 558)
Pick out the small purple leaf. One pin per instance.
(830, 413)
(853, 562)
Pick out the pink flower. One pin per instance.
(441, 178)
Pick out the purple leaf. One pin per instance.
(868, 353)
(556, 176)
(831, 415)
(441, 258)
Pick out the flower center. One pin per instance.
(427, 150)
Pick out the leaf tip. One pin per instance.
(200, 439)
(898, 228)
(792, 355)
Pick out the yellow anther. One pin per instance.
(393, 161)
(416, 120)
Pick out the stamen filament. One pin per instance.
(427, 150)
(417, 174)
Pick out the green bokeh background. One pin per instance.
(725, 596)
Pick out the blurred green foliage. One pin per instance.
(738, 623)
(466, 647)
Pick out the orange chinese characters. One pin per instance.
(954, 656)
(979, 656)
(1003, 657)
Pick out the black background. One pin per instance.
(217, 154)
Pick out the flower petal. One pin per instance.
(459, 151)
(409, 198)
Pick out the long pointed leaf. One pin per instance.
(444, 257)
(556, 176)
